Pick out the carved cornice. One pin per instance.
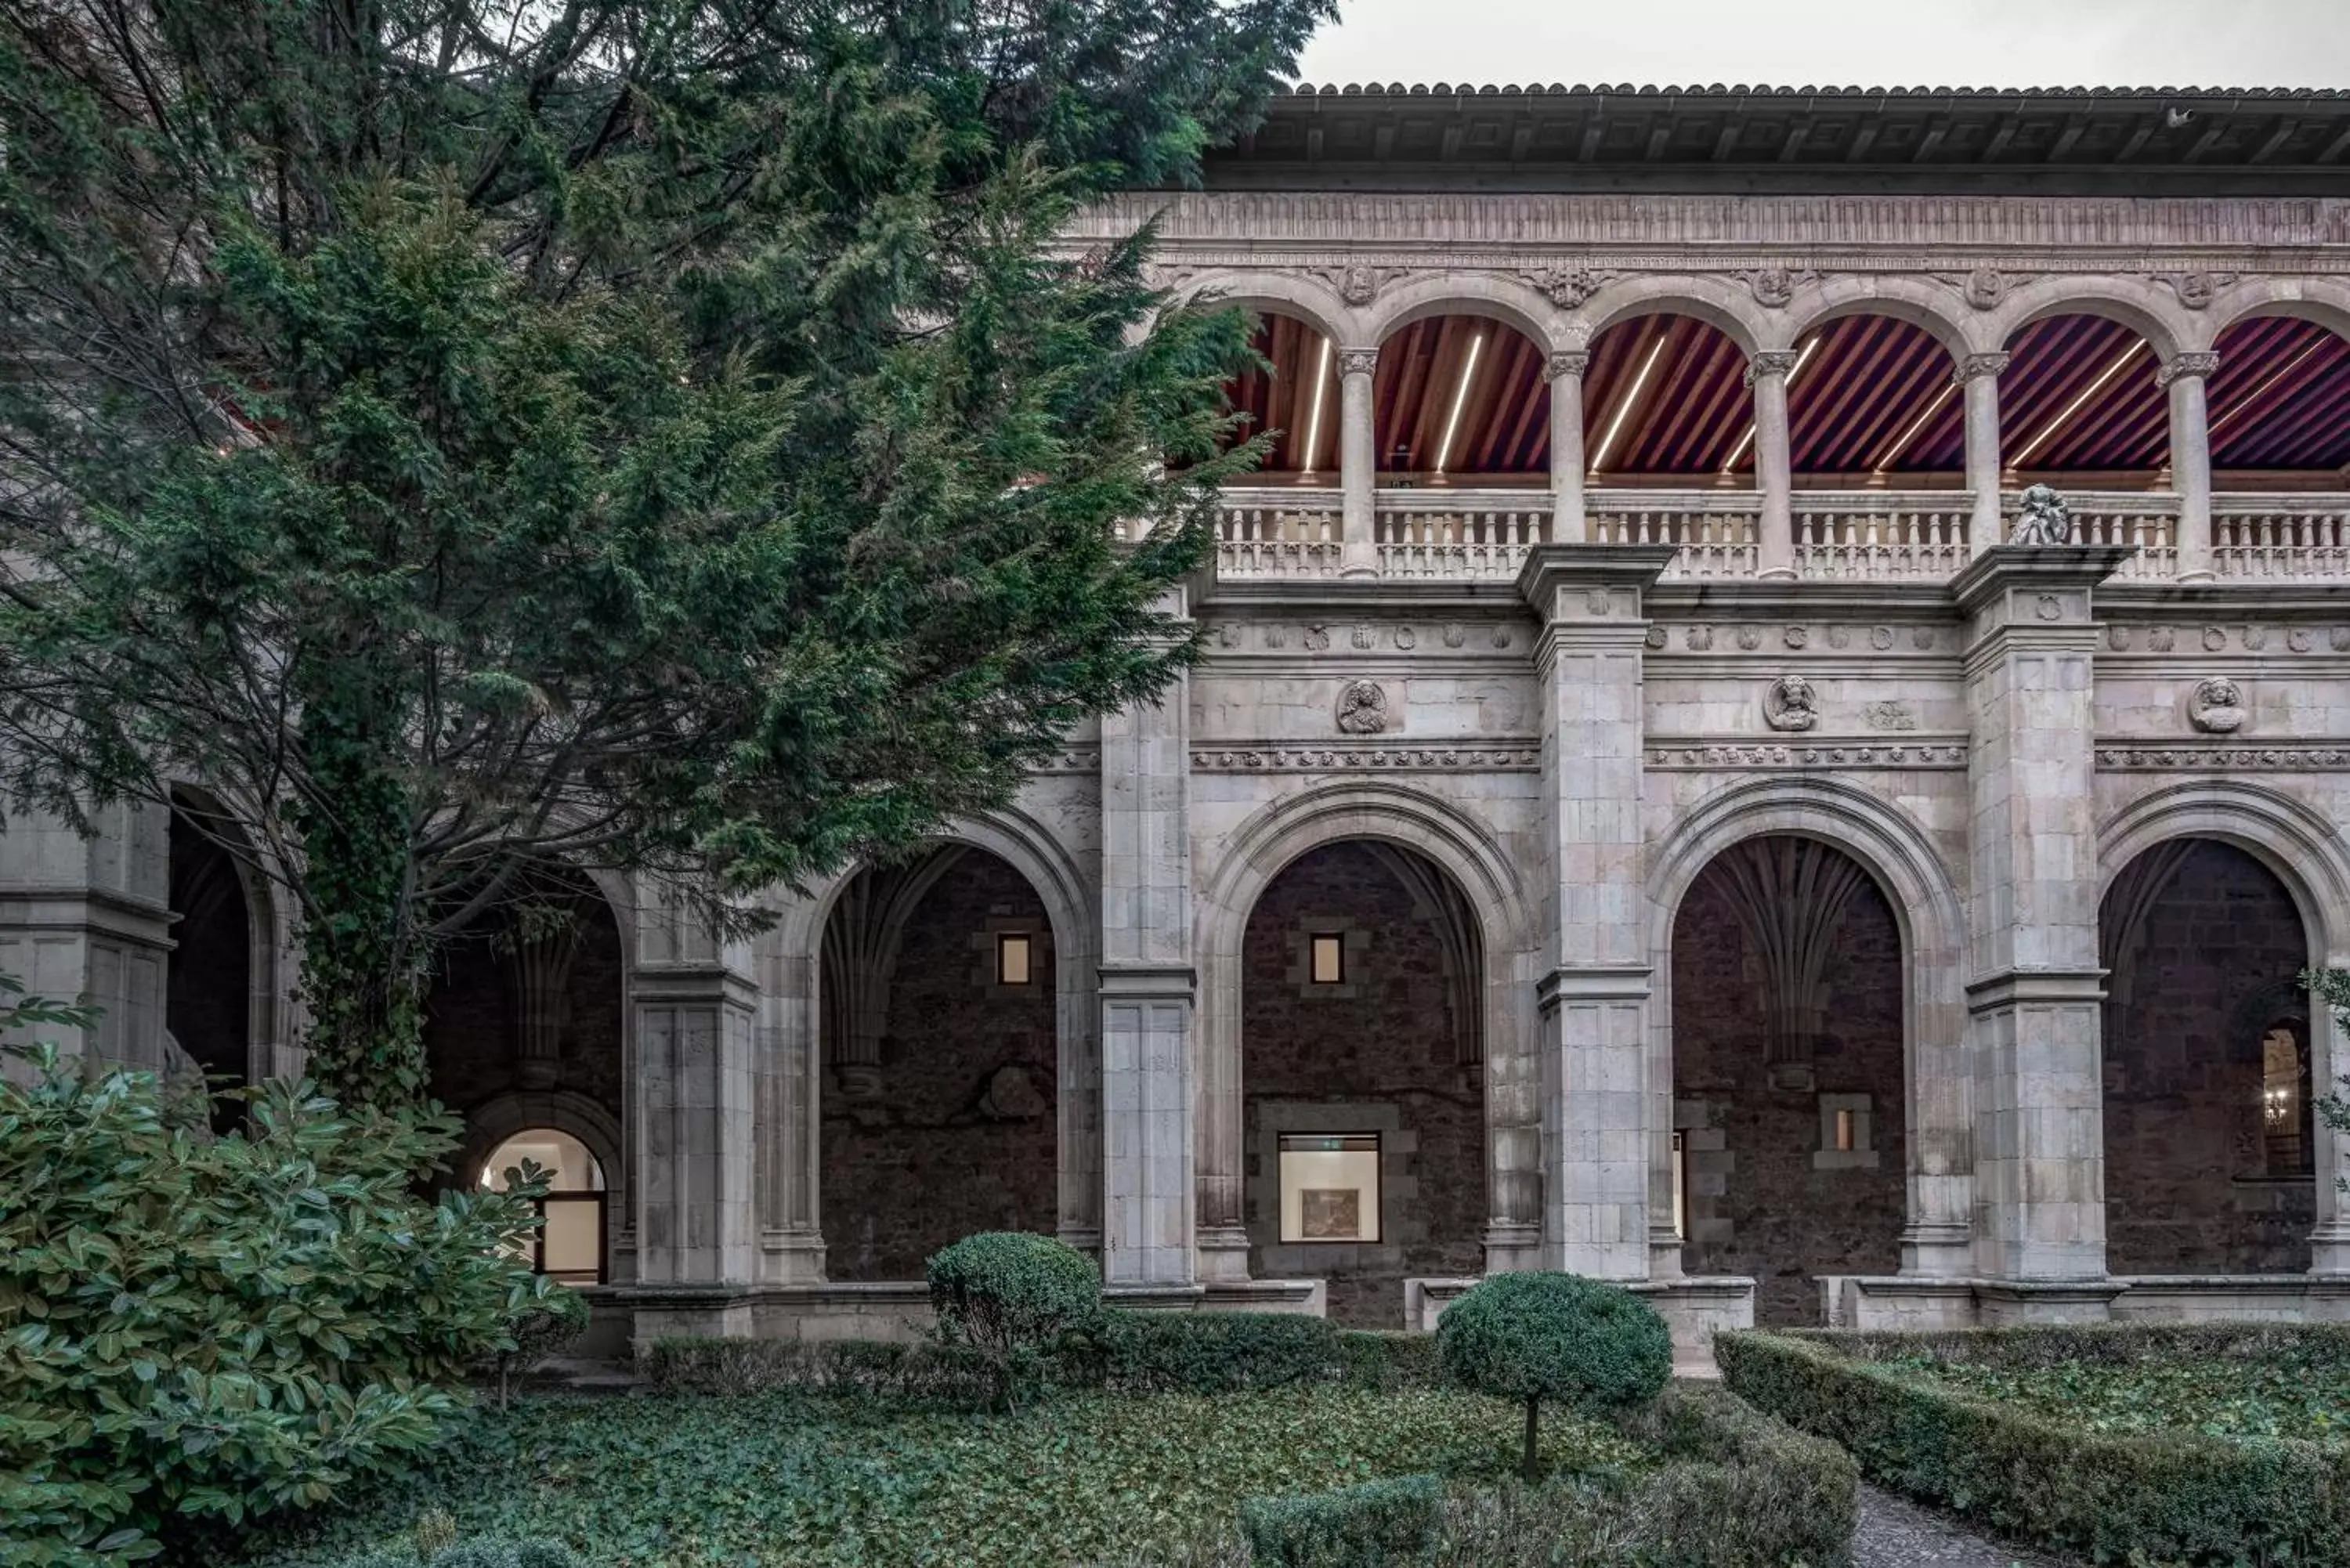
(1281, 757)
(1942, 754)
(2009, 236)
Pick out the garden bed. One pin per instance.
(2210, 1443)
(847, 1454)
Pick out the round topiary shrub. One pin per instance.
(1009, 1296)
(1536, 1337)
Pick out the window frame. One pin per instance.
(1336, 947)
(1377, 1192)
(1026, 941)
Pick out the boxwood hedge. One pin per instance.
(2176, 1496)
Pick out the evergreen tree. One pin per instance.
(662, 434)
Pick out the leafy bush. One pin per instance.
(2176, 1496)
(197, 1329)
(484, 1554)
(1009, 1296)
(1365, 1526)
(919, 1370)
(1537, 1337)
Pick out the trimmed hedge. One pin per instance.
(1732, 1489)
(1363, 1526)
(1130, 1352)
(1009, 1296)
(2177, 1497)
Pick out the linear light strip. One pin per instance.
(2244, 403)
(2048, 432)
(1752, 429)
(1452, 423)
(1321, 392)
(1624, 410)
(1902, 444)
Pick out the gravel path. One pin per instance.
(1897, 1534)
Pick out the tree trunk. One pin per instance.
(1527, 1464)
(363, 950)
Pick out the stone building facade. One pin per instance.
(1652, 802)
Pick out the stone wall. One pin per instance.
(2192, 1183)
(470, 1021)
(960, 1136)
(1387, 1042)
(1767, 1194)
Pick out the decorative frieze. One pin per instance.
(2221, 756)
(1074, 759)
(2253, 638)
(1942, 754)
(1358, 637)
(1795, 637)
(1274, 758)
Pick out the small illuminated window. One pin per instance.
(1329, 1187)
(1846, 1132)
(1329, 960)
(569, 1245)
(1014, 959)
(1680, 1186)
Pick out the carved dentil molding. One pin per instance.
(1274, 758)
(1713, 756)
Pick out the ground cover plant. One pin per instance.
(789, 1479)
(2205, 1444)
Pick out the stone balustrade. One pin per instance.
(1838, 536)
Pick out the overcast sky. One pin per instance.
(1840, 42)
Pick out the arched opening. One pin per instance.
(1461, 398)
(2280, 406)
(1790, 1117)
(570, 1245)
(208, 1002)
(1361, 1073)
(1294, 394)
(2082, 404)
(2207, 1066)
(1665, 400)
(1872, 401)
(940, 1109)
(526, 1015)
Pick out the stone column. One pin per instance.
(1593, 1041)
(790, 1059)
(2036, 994)
(1767, 373)
(2191, 459)
(1567, 525)
(1147, 988)
(693, 1120)
(1358, 463)
(1978, 375)
(538, 964)
(2329, 1058)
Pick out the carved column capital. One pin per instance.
(1358, 361)
(1771, 362)
(2184, 366)
(1568, 362)
(1975, 367)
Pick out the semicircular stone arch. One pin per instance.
(1897, 853)
(1459, 848)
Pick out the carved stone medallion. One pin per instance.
(1791, 704)
(1362, 709)
(2216, 706)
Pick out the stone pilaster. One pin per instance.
(1767, 373)
(1148, 987)
(1594, 1038)
(1978, 377)
(2034, 997)
(693, 1122)
(1358, 463)
(88, 919)
(2185, 376)
(1567, 525)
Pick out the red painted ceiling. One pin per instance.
(2079, 396)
